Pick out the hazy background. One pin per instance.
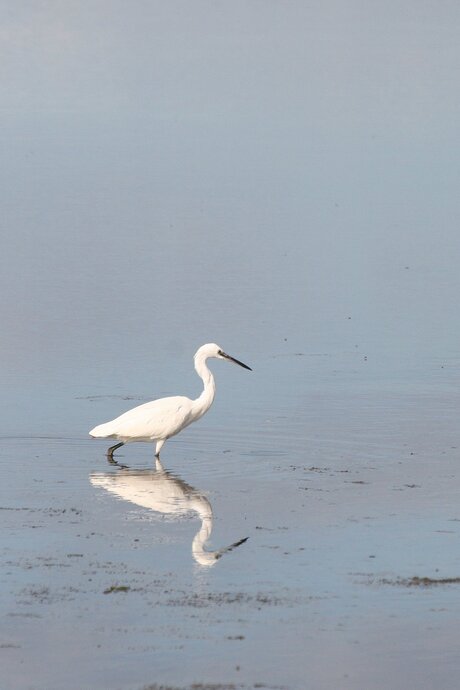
(277, 177)
(281, 178)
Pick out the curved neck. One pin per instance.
(201, 537)
(204, 402)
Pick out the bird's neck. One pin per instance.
(204, 402)
(202, 556)
(202, 536)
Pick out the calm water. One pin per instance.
(282, 180)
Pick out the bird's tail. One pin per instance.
(102, 431)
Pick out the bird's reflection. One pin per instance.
(163, 492)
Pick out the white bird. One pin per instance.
(167, 494)
(160, 419)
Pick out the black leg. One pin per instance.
(112, 448)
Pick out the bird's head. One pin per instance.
(213, 350)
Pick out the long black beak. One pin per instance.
(232, 546)
(232, 359)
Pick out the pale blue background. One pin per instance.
(244, 172)
(282, 178)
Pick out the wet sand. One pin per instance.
(119, 577)
(282, 179)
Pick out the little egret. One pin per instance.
(160, 419)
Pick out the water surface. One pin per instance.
(281, 179)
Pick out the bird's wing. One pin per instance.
(156, 419)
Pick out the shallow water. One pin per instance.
(281, 179)
(111, 574)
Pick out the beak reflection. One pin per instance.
(165, 493)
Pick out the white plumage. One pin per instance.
(160, 419)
